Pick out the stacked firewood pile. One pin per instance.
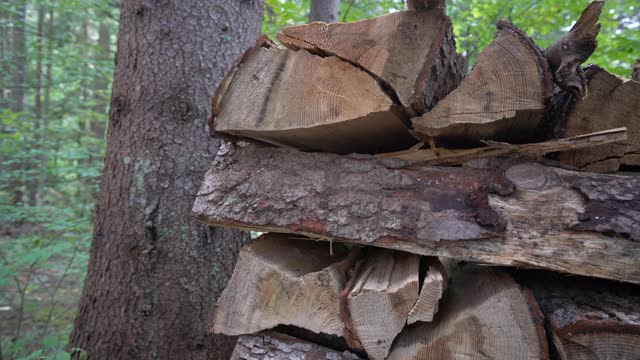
(403, 201)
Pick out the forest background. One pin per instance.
(56, 65)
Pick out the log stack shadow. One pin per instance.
(402, 205)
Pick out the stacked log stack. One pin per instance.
(401, 203)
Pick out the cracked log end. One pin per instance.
(277, 280)
(502, 99)
(484, 315)
(588, 318)
(433, 287)
(298, 99)
(567, 54)
(411, 53)
(380, 298)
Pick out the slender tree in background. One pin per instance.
(324, 10)
(19, 66)
(154, 272)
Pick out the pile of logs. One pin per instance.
(410, 211)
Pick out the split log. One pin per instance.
(441, 156)
(279, 280)
(502, 99)
(567, 54)
(378, 304)
(412, 53)
(609, 102)
(484, 315)
(521, 214)
(433, 287)
(274, 346)
(297, 99)
(588, 318)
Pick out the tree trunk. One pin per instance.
(325, 10)
(100, 85)
(154, 272)
(36, 148)
(5, 65)
(19, 68)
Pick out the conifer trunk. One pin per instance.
(154, 271)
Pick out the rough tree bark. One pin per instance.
(324, 10)
(514, 212)
(154, 272)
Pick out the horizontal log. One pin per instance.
(521, 213)
(270, 345)
(588, 318)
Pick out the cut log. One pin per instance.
(609, 102)
(433, 287)
(440, 156)
(297, 99)
(588, 318)
(383, 293)
(502, 99)
(274, 346)
(412, 53)
(522, 214)
(484, 315)
(567, 54)
(279, 280)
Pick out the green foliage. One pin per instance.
(51, 159)
(474, 23)
(546, 21)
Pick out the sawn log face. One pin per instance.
(521, 214)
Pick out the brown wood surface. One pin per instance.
(588, 318)
(520, 214)
(502, 99)
(298, 99)
(484, 315)
(433, 287)
(283, 281)
(383, 292)
(567, 54)
(441, 156)
(610, 101)
(270, 345)
(411, 52)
